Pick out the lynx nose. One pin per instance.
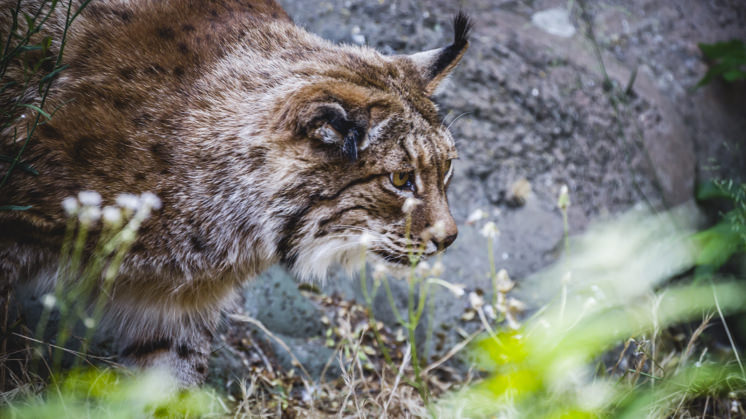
(447, 235)
(447, 241)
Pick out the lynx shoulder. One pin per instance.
(265, 144)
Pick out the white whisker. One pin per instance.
(448, 128)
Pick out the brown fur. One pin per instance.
(265, 144)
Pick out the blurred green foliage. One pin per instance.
(727, 60)
(106, 393)
(552, 366)
(727, 238)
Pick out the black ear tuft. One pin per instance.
(434, 65)
(462, 26)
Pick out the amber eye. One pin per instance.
(403, 180)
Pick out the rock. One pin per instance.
(555, 21)
(273, 299)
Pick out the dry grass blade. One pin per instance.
(456, 349)
(402, 367)
(727, 332)
(690, 345)
(257, 323)
(81, 355)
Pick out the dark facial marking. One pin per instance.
(293, 221)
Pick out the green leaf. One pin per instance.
(46, 43)
(734, 75)
(717, 244)
(37, 109)
(710, 190)
(722, 49)
(51, 75)
(728, 59)
(14, 207)
(29, 21)
(22, 165)
(29, 48)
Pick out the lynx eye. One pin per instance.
(403, 180)
(447, 167)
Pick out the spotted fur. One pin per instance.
(265, 144)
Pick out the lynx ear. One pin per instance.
(330, 123)
(434, 65)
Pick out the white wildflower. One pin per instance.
(438, 269)
(502, 303)
(423, 269)
(379, 271)
(475, 300)
(476, 216)
(512, 321)
(150, 200)
(48, 301)
(563, 201)
(89, 323)
(455, 289)
(410, 204)
(89, 215)
(71, 206)
(503, 283)
(112, 215)
(128, 201)
(516, 306)
(490, 230)
(89, 198)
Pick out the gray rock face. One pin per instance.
(274, 300)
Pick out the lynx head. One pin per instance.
(371, 158)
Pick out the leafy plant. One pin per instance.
(24, 50)
(727, 60)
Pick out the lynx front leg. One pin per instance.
(184, 354)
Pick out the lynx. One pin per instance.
(265, 143)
